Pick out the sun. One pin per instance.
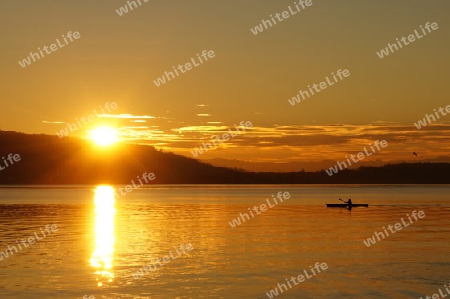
(104, 136)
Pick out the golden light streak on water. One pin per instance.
(103, 255)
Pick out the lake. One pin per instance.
(100, 243)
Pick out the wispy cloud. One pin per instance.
(53, 122)
(304, 142)
(125, 116)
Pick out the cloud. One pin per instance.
(125, 116)
(53, 122)
(302, 142)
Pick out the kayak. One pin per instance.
(343, 205)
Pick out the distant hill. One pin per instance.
(283, 166)
(308, 165)
(47, 159)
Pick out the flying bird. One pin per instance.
(415, 154)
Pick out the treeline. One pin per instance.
(47, 159)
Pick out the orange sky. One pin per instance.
(117, 58)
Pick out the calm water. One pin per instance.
(101, 243)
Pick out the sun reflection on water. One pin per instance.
(102, 256)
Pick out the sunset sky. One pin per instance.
(251, 77)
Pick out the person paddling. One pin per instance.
(349, 202)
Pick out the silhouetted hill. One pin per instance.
(47, 159)
(285, 166)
